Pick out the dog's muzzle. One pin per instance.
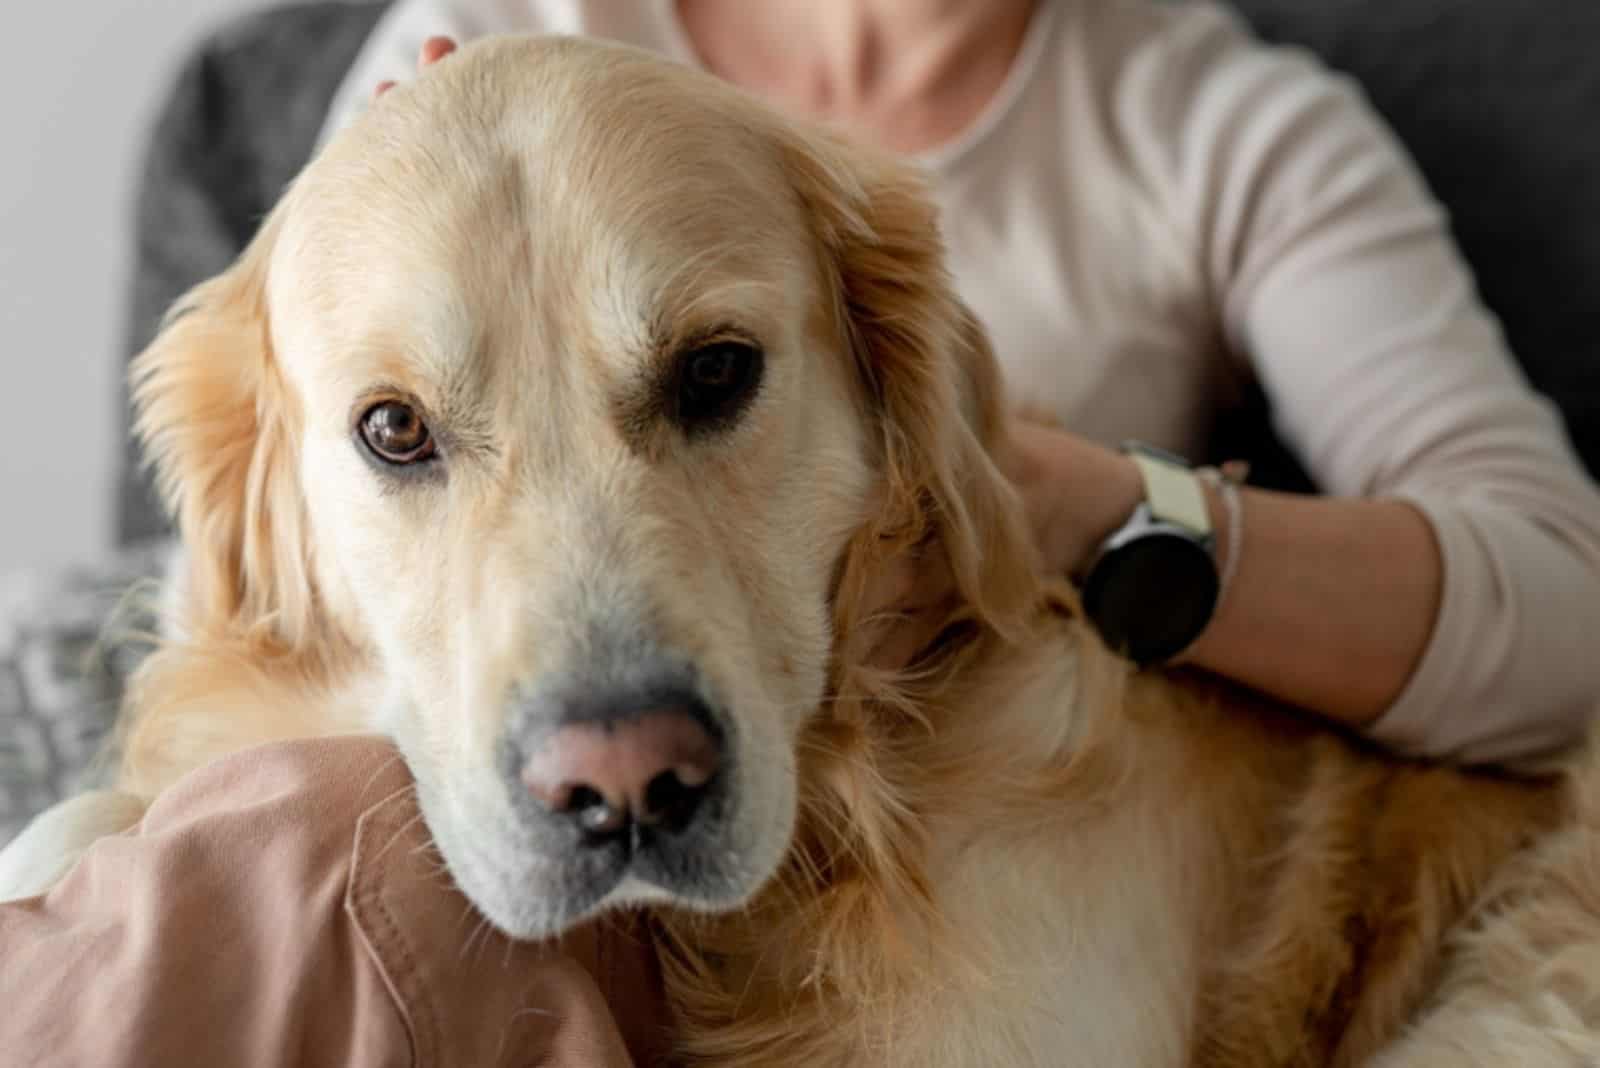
(641, 766)
(623, 773)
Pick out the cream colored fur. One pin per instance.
(48, 847)
(1016, 853)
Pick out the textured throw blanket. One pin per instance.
(62, 670)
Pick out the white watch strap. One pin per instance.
(1173, 492)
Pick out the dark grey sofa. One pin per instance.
(1499, 101)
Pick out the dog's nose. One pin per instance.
(650, 769)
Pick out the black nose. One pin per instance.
(647, 765)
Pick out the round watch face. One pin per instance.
(1152, 596)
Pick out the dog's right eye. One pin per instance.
(396, 434)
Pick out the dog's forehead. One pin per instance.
(558, 153)
(534, 183)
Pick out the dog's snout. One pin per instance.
(624, 773)
(649, 769)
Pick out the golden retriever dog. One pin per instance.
(556, 424)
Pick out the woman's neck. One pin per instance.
(906, 74)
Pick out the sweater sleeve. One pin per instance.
(212, 933)
(1334, 275)
(284, 906)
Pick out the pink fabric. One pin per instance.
(284, 907)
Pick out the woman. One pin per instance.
(1149, 210)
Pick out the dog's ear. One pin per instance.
(930, 379)
(218, 426)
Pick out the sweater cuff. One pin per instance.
(1454, 706)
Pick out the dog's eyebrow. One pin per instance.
(442, 369)
(738, 308)
(668, 342)
(728, 300)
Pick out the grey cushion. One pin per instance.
(241, 119)
(1499, 101)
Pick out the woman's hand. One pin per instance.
(433, 50)
(1075, 494)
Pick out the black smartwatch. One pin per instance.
(1153, 585)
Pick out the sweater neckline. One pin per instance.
(943, 156)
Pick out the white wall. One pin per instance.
(79, 82)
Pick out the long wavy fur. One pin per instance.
(851, 920)
(246, 632)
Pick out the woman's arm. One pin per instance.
(1332, 601)
(284, 906)
(1447, 594)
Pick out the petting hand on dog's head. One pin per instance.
(433, 50)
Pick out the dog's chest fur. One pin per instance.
(1086, 940)
(1227, 889)
(1084, 917)
(1075, 906)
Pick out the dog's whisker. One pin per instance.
(478, 939)
(380, 771)
(399, 833)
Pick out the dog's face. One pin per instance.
(563, 388)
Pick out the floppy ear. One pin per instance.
(856, 884)
(931, 383)
(218, 426)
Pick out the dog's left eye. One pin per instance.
(715, 382)
(396, 434)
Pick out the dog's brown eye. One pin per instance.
(396, 434)
(715, 382)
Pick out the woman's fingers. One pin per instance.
(907, 604)
(902, 643)
(433, 50)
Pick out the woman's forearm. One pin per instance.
(1332, 602)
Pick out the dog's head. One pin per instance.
(556, 418)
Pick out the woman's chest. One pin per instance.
(1095, 305)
